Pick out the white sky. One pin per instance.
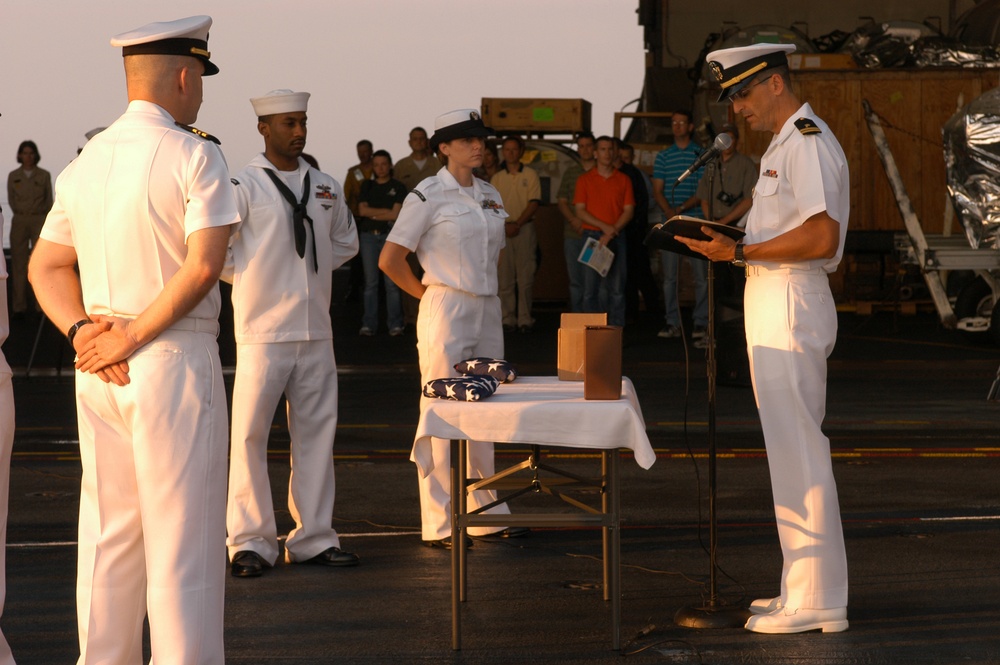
(375, 68)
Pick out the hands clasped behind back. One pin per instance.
(103, 347)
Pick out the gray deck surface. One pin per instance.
(916, 454)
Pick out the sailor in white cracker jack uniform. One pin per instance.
(147, 209)
(795, 237)
(455, 224)
(296, 230)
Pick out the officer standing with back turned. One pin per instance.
(146, 210)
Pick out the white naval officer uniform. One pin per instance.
(791, 327)
(153, 452)
(285, 345)
(6, 446)
(457, 234)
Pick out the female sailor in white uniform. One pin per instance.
(455, 224)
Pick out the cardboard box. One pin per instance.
(602, 370)
(571, 343)
(506, 114)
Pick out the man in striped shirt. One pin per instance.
(678, 200)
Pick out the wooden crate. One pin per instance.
(804, 61)
(914, 105)
(536, 116)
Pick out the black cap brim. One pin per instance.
(194, 48)
(461, 130)
(747, 72)
(727, 94)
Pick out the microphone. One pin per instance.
(722, 143)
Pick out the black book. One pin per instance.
(663, 235)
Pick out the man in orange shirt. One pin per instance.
(605, 202)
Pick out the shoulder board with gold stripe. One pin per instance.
(419, 194)
(198, 132)
(807, 126)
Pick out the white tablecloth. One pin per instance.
(538, 410)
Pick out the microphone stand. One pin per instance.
(713, 614)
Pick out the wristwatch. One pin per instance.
(73, 329)
(738, 259)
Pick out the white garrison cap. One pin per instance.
(94, 132)
(734, 68)
(185, 36)
(280, 101)
(463, 123)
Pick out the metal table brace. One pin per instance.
(607, 518)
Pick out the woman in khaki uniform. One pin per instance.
(29, 192)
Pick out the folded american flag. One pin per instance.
(462, 388)
(495, 367)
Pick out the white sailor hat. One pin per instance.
(280, 101)
(185, 36)
(460, 124)
(94, 132)
(734, 68)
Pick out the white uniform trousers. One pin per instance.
(306, 372)
(152, 506)
(453, 326)
(516, 277)
(6, 446)
(791, 327)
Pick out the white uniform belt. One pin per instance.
(761, 271)
(187, 324)
(191, 324)
(457, 290)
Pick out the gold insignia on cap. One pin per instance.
(745, 75)
(716, 70)
(473, 116)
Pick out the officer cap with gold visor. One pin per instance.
(735, 68)
(185, 36)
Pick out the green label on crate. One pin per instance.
(543, 114)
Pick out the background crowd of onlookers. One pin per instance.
(615, 204)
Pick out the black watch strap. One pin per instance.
(738, 259)
(75, 328)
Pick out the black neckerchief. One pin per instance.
(299, 216)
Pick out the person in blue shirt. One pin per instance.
(668, 166)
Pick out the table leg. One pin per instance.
(616, 542)
(457, 541)
(463, 512)
(606, 531)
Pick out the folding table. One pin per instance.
(540, 412)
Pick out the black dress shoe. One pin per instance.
(247, 563)
(334, 556)
(445, 543)
(509, 532)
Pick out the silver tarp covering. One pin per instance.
(940, 52)
(910, 44)
(972, 162)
